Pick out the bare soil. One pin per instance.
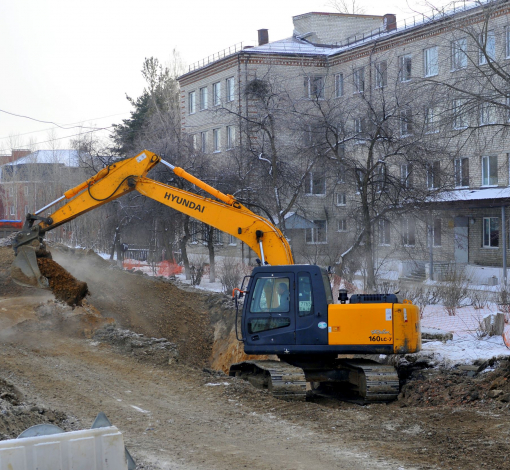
(150, 355)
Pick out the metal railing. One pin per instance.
(216, 56)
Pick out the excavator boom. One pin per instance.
(123, 177)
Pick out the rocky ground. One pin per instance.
(150, 355)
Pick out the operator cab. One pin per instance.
(286, 309)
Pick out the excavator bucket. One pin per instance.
(25, 271)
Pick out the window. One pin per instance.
(13, 210)
(232, 240)
(11, 191)
(460, 120)
(26, 209)
(433, 175)
(384, 232)
(341, 173)
(490, 232)
(314, 87)
(192, 142)
(406, 175)
(507, 42)
(230, 89)
(490, 171)
(430, 120)
(271, 294)
(408, 232)
(359, 80)
(317, 234)
(461, 172)
(339, 85)
(359, 129)
(305, 294)
(341, 225)
(406, 122)
(203, 142)
(405, 63)
(487, 44)
(508, 108)
(380, 178)
(436, 232)
(315, 183)
(381, 74)
(231, 137)
(340, 199)
(459, 57)
(203, 98)
(216, 140)
(430, 64)
(191, 102)
(487, 114)
(26, 190)
(216, 89)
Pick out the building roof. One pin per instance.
(63, 157)
(474, 195)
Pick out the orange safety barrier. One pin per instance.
(168, 268)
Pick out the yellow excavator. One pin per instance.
(288, 309)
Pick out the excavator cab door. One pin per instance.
(269, 311)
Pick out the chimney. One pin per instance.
(390, 22)
(263, 36)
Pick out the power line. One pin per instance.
(50, 128)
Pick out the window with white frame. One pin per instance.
(341, 225)
(339, 85)
(230, 89)
(204, 103)
(384, 232)
(191, 102)
(405, 67)
(406, 121)
(359, 80)
(216, 89)
(381, 74)
(406, 175)
(408, 232)
(203, 141)
(507, 110)
(216, 140)
(487, 114)
(317, 234)
(232, 240)
(490, 232)
(434, 175)
(507, 42)
(314, 86)
(459, 55)
(436, 232)
(462, 172)
(430, 120)
(487, 47)
(11, 191)
(13, 210)
(25, 189)
(490, 170)
(26, 209)
(315, 183)
(460, 116)
(430, 63)
(380, 177)
(231, 137)
(340, 199)
(359, 129)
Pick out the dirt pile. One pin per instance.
(16, 414)
(460, 386)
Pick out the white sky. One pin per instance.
(73, 62)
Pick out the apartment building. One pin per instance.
(416, 108)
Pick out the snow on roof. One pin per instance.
(62, 157)
(473, 194)
(291, 45)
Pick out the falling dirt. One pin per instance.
(65, 286)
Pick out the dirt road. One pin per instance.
(180, 416)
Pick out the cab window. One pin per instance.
(327, 287)
(271, 294)
(304, 294)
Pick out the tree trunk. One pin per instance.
(210, 247)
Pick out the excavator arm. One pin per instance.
(112, 182)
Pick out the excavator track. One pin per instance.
(373, 382)
(282, 380)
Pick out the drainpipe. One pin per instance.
(431, 253)
(503, 236)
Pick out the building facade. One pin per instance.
(404, 122)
